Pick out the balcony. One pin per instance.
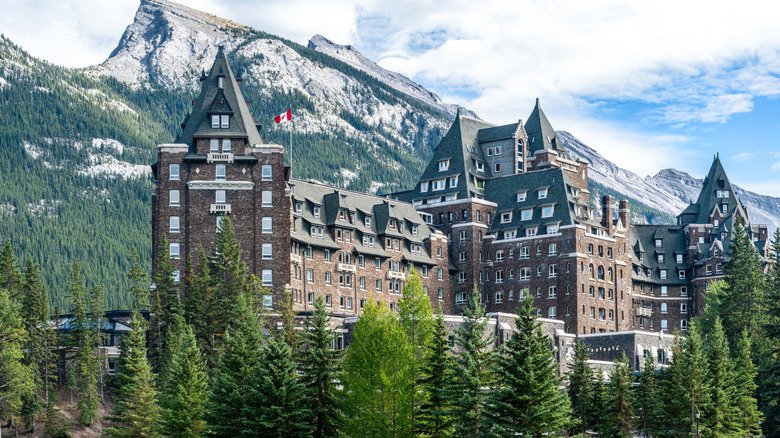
(644, 311)
(295, 258)
(213, 158)
(346, 267)
(392, 275)
(220, 208)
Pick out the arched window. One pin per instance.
(601, 272)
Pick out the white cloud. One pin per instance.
(745, 156)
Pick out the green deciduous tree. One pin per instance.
(472, 370)
(377, 376)
(527, 399)
(321, 368)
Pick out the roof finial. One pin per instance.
(457, 113)
(221, 52)
(537, 101)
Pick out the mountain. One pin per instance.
(668, 191)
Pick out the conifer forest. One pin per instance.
(212, 362)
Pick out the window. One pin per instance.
(379, 286)
(462, 257)
(214, 146)
(327, 278)
(684, 322)
(601, 293)
(683, 291)
(424, 187)
(460, 298)
(499, 276)
(552, 229)
(173, 198)
(663, 274)
(552, 249)
(219, 197)
(682, 274)
(500, 255)
(663, 308)
(552, 312)
(362, 283)
(328, 301)
(498, 167)
(552, 271)
(461, 277)
(439, 274)
(173, 170)
(215, 122)
(308, 252)
(664, 291)
(225, 119)
(176, 276)
(527, 214)
(267, 251)
(438, 184)
(601, 272)
(592, 312)
(506, 217)
(219, 222)
(267, 228)
(664, 324)
(267, 198)
(521, 196)
(542, 193)
(658, 243)
(551, 292)
(531, 231)
(679, 258)
(724, 208)
(602, 314)
(510, 234)
(440, 293)
(220, 172)
(683, 307)
(174, 224)
(547, 211)
(425, 271)
(173, 250)
(499, 297)
(444, 165)
(226, 146)
(525, 273)
(266, 172)
(660, 258)
(525, 253)
(378, 263)
(310, 276)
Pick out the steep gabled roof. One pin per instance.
(541, 134)
(225, 101)
(716, 181)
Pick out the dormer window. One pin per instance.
(552, 229)
(480, 166)
(215, 122)
(526, 215)
(660, 258)
(641, 256)
(438, 184)
(530, 231)
(225, 121)
(547, 211)
(716, 223)
(299, 207)
(221, 82)
(367, 221)
(498, 167)
(444, 165)
(316, 211)
(506, 217)
(723, 193)
(542, 193)
(724, 208)
(423, 187)
(490, 152)
(659, 243)
(521, 196)
(498, 150)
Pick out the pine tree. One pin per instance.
(618, 419)
(748, 416)
(435, 417)
(599, 401)
(276, 400)
(16, 381)
(581, 387)
(377, 378)
(197, 308)
(416, 317)
(721, 415)
(647, 398)
(321, 371)
(229, 275)
(185, 391)
(136, 410)
(769, 386)
(745, 303)
(166, 308)
(527, 399)
(228, 388)
(472, 370)
(10, 278)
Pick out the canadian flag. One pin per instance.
(283, 117)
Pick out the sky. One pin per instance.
(649, 85)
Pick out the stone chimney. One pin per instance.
(624, 212)
(606, 214)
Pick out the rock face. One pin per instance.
(398, 81)
(669, 190)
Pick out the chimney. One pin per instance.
(606, 214)
(624, 212)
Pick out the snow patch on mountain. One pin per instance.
(109, 166)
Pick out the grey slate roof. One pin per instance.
(673, 243)
(541, 134)
(198, 123)
(699, 212)
(497, 132)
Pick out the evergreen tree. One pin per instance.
(769, 386)
(16, 381)
(472, 370)
(377, 378)
(166, 308)
(435, 417)
(197, 308)
(185, 390)
(229, 274)
(416, 317)
(10, 278)
(746, 407)
(647, 398)
(136, 410)
(618, 420)
(581, 387)
(228, 388)
(599, 401)
(276, 400)
(721, 415)
(321, 371)
(745, 303)
(527, 399)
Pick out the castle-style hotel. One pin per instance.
(505, 208)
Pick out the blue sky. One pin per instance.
(649, 85)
